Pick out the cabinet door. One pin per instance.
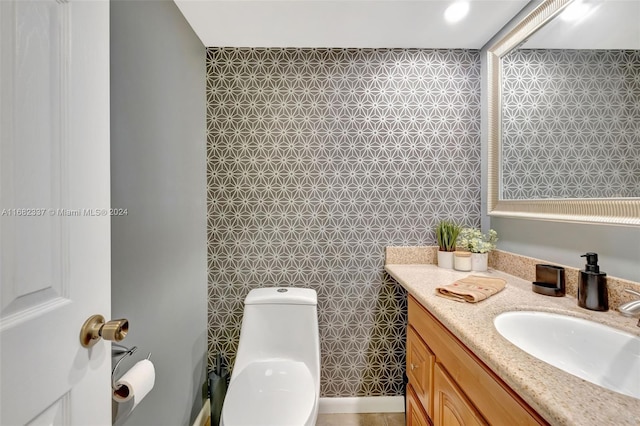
(451, 406)
(420, 361)
(415, 414)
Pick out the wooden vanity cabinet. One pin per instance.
(459, 388)
(415, 414)
(420, 362)
(450, 406)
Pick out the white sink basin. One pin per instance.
(594, 352)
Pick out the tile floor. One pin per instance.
(369, 419)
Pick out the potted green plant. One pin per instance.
(479, 244)
(446, 235)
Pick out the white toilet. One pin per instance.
(276, 376)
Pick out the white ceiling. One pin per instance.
(345, 23)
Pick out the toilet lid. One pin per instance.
(270, 393)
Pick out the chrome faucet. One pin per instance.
(631, 309)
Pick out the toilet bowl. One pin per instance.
(276, 375)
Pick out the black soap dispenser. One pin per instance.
(592, 287)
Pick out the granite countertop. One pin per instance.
(559, 397)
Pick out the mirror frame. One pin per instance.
(617, 211)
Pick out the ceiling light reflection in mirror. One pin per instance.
(577, 11)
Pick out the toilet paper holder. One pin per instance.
(125, 352)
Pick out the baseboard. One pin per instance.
(365, 404)
(203, 416)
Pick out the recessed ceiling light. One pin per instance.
(456, 12)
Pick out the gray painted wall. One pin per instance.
(617, 246)
(158, 173)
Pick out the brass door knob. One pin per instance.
(95, 328)
(413, 366)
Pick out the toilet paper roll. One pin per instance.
(136, 383)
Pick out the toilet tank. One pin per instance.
(280, 323)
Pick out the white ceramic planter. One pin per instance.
(445, 259)
(479, 262)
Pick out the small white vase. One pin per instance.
(445, 259)
(479, 262)
(462, 261)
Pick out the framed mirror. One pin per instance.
(564, 114)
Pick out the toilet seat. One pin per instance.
(270, 393)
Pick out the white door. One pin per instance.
(54, 239)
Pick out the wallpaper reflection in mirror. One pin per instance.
(571, 124)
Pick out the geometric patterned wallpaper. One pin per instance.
(571, 124)
(317, 160)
